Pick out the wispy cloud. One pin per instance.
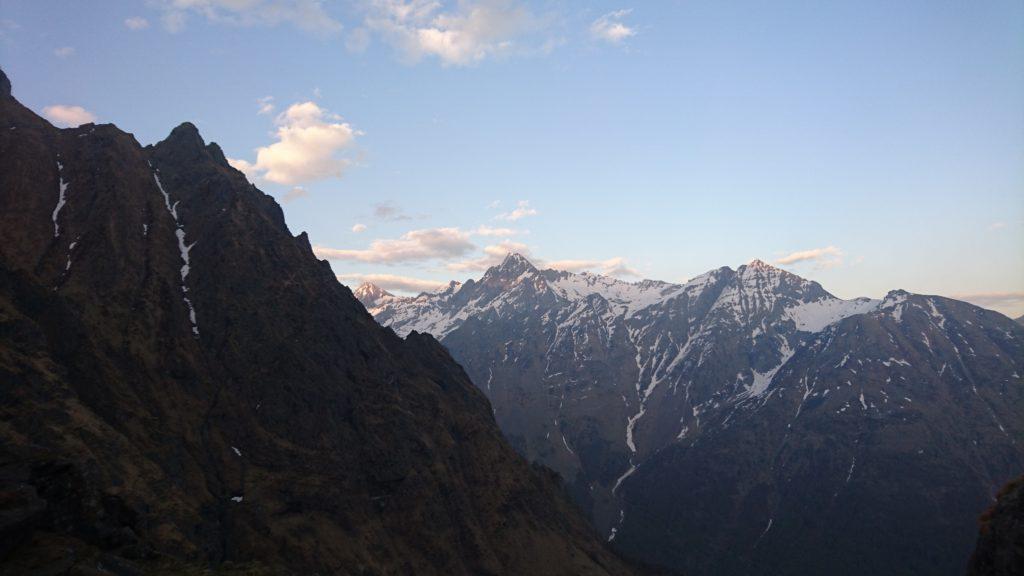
(306, 15)
(294, 194)
(68, 116)
(493, 255)
(136, 23)
(485, 230)
(311, 145)
(265, 105)
(358, 228)
(389, 211)
(826, 257)
(64, 52)
(460, 35)
(610, 28)
(522, 210)
(616, 266)
(413, 246)
(395, 283)
(995, 300)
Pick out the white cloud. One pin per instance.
(826, 257)
(64, 52)
(359, 228)
(68, 116)
(389, 211)
(393, 282)
(415, 245)
(294, 194)
(522, 210)
(136, 23)
(609, 28)
(485, 230)
(463, 35)
(265, 105)
(306, 15)
(309, 147)
(611, 267)
(997, 226)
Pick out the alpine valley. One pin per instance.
(747, 421)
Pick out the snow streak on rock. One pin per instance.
(183, 248)
(61, 200)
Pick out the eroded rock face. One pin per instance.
(185, 384)
(1000, 549)
(747, 422)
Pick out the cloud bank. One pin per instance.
(413, 246)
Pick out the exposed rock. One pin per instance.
(1000, 549)
(186, 386)
(747, 422)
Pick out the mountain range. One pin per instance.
(746, 421)
(187, 389)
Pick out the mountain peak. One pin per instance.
(5, 85)
(186, 130)
(758, 264)
(184, 141)
(515, 258)
(370, 294)
(515, 264)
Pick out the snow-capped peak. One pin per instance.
(513, 266)
(371, 295)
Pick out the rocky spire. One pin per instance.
(5, 85)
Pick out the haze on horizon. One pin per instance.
(864, 145)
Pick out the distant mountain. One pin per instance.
(747, 421)
(186, 386)
(372, 296)
(1020, 320)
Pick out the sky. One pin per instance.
(869, 146)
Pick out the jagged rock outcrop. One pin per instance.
(185, 385)
(1000, 549)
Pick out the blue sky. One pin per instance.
(866, 145)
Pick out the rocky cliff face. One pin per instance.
(747, 422)
(184, 384)
(1000, 549)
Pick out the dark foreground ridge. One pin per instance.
(185, 385)
(1000, 550)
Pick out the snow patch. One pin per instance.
(815, 316)
(61, 199)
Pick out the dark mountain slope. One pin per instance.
(747, 422)
(184, 382)
(875, 447)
